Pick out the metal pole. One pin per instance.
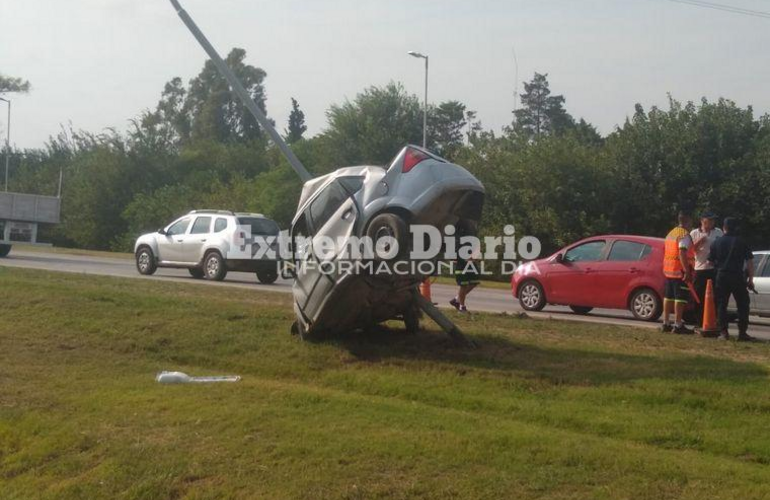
(7, 142)
(241, 92)
(425, 110)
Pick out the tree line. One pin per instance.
(550, 174)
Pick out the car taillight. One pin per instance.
(411, 158)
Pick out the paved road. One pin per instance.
(482, 299)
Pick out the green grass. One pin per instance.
(71, 251)
(542, 409)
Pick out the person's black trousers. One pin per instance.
(732, 284)
(701, 279)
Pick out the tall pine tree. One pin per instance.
(297, 125)
(541, 113)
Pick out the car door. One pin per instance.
(761, 300)
(192, 244)
(572, 281)
(170, 245)
(331, 217)
(616, 274)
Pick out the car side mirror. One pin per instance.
(559, 258)
(161, 231)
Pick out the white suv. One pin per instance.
(201, 242)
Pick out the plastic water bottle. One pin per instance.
(182, 378)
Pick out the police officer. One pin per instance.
(734, 264)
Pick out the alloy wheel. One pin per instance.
(644, 305)
(144, 261)
(530, 295)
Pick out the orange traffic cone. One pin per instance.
(425, 289)
(710, 328)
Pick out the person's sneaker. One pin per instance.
(745, 337)
(724, 336)
(454, 304)
(664, 328)
(462, 309)
(682, 330)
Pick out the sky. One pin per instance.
(97, 64)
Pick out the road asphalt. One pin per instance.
(481, 299)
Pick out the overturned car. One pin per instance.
(417, 188)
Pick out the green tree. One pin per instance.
(215, 112)
(541, 113)
(445, 127)
(297, 125)
(374, 126)
(10, 84)
(711, 155)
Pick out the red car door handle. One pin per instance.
(635, 270)
(589, 270)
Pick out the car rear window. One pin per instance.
(259, 225)
(629, 251)
(220, 225)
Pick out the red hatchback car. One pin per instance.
(610, 272)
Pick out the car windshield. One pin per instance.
(259, 225)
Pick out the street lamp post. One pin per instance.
(7, 141)
(425, 108)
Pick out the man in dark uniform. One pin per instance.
(734, 264)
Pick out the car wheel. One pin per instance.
(531, 296)
(145, 261)
(214, 267)
(5, 250)
(196, 272)
(389, 225)
(645, 305)
(581, 309)
(267, 276)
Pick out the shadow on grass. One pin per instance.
(556, 364)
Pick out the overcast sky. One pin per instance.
(99, 63)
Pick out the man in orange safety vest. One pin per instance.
(678, 264)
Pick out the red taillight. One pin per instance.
(411, 158)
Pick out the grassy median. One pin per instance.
(542, 409)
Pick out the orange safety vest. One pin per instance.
(672, 265)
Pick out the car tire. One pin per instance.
(196, 272)
(267, 276)
(5, 250)
(582, 310)
(531, 296)
(645, 305)
(214, 267)
(389, 225)
(145, 261)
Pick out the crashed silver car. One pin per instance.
(417, 188)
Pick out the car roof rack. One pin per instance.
(207, 211)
